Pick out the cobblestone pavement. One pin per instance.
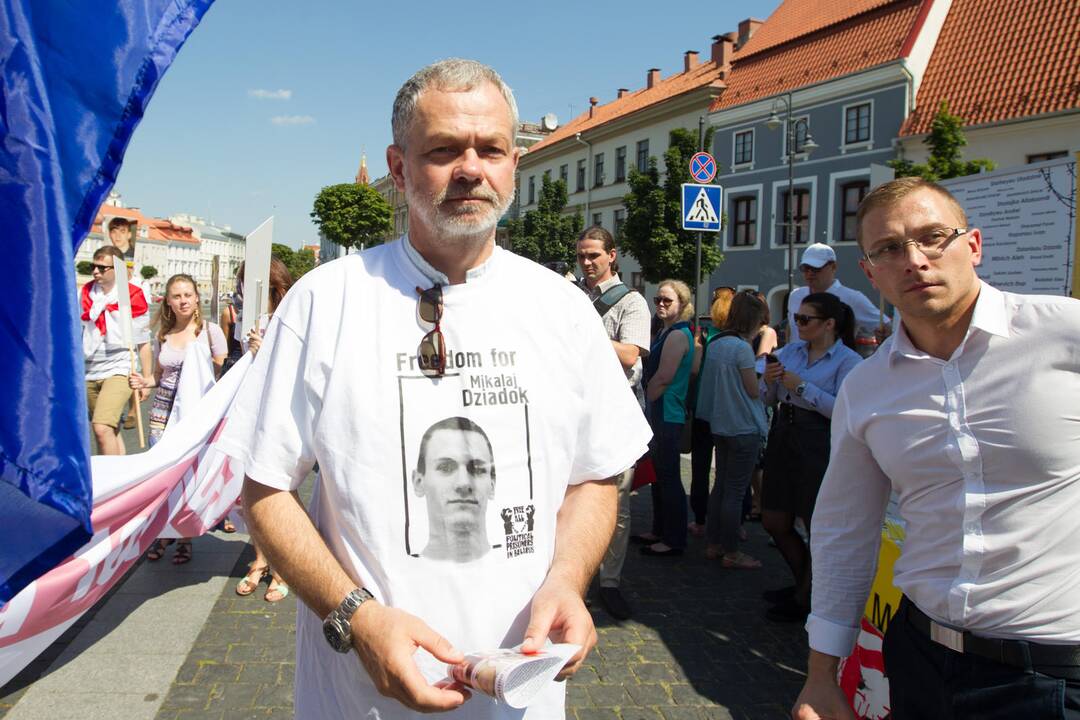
(698, 647)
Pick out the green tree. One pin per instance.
(148, 271)
(945, 140)
(351, 215)
(546, 234)
(84, 267)
(653, 231)
(297, 262)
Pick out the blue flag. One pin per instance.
(75, 78)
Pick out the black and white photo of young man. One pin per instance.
(455, 474)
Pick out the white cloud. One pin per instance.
(270, 94)
(292, 120)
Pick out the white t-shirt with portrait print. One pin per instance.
(337, 382)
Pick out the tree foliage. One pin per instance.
(148, 271)
(298, 262)
(351, 215)
(945, 140)
(546, 234)
(653, 231)
(84, 267)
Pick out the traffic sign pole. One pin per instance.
(697, 264)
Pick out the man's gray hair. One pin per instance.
(452, 74)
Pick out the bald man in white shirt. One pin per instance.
(968, 414)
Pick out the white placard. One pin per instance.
(1027, 223)
(123, 300)
(257, 274)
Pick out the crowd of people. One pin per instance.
(405, 375)
(723, 389)
(120, 377)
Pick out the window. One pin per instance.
(1047, 156)
(598, 170)
(857, 124)
(801, 216)
(620, 163)
(532, 190)
(744, 230)
(597, 220)
(580, 175)
(643, 155)
(802, 129)
(851, 194)
(619, 219)
(744, 147)
(564, 173)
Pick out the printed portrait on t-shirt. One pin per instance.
(466, 461)
(455, 475)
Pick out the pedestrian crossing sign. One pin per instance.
(701, 207)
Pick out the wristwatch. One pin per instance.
(800, 389)
(336, 627)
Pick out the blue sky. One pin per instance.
(271, 100)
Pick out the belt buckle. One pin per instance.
(952, 639)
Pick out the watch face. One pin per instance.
(334, 635)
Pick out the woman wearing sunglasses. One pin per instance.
(803, 378)
(667, 380)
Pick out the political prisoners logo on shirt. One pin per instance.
(518, 527)
(466, 458)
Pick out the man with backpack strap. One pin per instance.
(626, 318)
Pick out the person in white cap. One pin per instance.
(818, 267)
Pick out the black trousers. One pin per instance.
(928, 681)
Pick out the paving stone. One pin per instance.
(212, 673)
(649, 694)
(676, 712)
(596, 714)
(608, 695)
(639, 713)
(262, 673)
(653, 672)
(280, 696)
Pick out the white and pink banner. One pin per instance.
(181, 487)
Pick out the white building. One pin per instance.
(594, 152)
(214, 241)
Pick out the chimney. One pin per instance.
(652, 78)
(747, 28)
(623, 91)
(592, 106)
(723, 47)
(690, 60)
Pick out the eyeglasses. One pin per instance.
(932, 245)
(432, 351)
(660, 300)
(804, 320)
(100, 268)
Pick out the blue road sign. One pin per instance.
(702, 167)
(701, 207)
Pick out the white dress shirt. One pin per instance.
(983, 453)
(866, 312)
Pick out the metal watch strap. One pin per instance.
(336, 627)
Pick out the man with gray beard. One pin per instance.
(353, 374)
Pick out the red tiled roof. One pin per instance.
(165, 230)
(796, 18)
(1001, 59)
(874, 38)
(704, 75)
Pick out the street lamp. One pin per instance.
(808, 146)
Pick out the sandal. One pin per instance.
(183, 552)
(740, 561)
(157, 550)
(251, 581)
(277, 585)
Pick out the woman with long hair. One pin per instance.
(280, 282)
(804, 381)
(667, 381)
(700, 434)
(179, 323)
(728, 401)
(764, 343)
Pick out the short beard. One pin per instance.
(460, 227)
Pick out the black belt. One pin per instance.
(1048, 659)
(800, 416)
